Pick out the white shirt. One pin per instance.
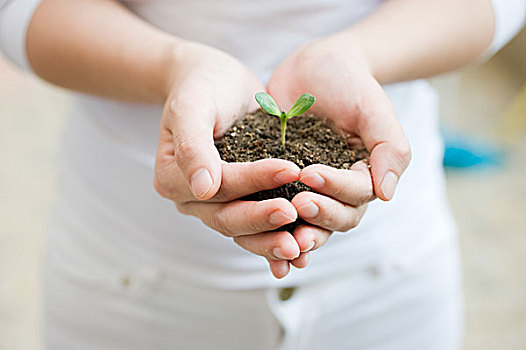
(108, 207)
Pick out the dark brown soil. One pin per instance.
(309, 141)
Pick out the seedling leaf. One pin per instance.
(302, 104)
(268, 104)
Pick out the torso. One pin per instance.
(108, 188)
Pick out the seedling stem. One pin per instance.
(302, 104)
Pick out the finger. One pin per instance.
(279, 245)
(192, 128)
(242, 179)
(243, 217)
(310, 238)
(279, 268)
(167, 174)
(383, 136)
(353, 186)
(326, 212)
(301, 261)
(238, 180)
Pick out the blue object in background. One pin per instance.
(464, 152)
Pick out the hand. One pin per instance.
(207, 92)
(336, 71)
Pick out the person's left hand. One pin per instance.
(336, 71)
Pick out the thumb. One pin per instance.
(384, 137)
(388, 161)
(192, 128)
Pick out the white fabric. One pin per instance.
(14, 20)
(403, 308)
(510, 16)
(115, 169)
(109, 189)
(124, 266)
(116, 206)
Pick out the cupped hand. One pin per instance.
(336, 71)
(208, 90)
(251, 224)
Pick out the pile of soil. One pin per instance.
(309, 140)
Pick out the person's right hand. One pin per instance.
(208, 90)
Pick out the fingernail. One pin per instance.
(201, 183)
(307, 258)
(314, 180)
(309, 210)
(279, 218)
(278, 253)
(285, 176)
(389, 184)
(308, 249)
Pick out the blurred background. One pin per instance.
(484, 121)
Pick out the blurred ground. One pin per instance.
(489, 102)
(489, 205)
(31, 115)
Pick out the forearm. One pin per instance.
(99, 47)
(411, 39)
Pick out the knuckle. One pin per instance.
(334, 189)
(225, 193)
(366, 192)
(356, 221)
(160, 187)
(254, 183)
(239, 241)
(340, 220)
(218, 222)
(256, 226)
(326, 221)
(172, 190)
(365, 197)
(364, 200)
(265, 251)
(185, 150)
(182, 208)
(352, 221)
(249, 179)
(245, 243)
(183, 144)
(404, 153)
(256, 219)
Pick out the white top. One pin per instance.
(107, 205)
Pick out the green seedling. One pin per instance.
(302, 104)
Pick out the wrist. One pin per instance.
(170, 67)
(181, 57)
(361, 53)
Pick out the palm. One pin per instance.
(348, 95)
(345, 99)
